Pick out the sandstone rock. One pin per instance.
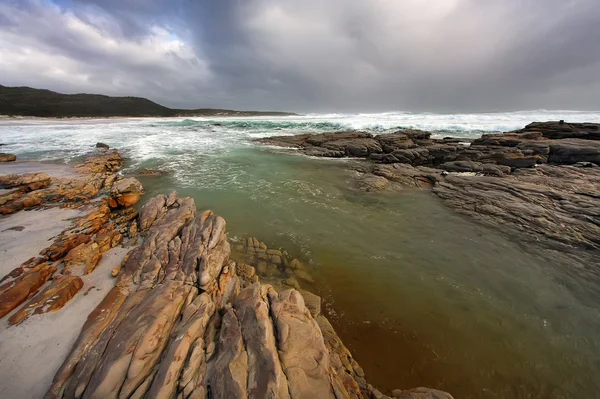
(312, 302)
(369, 182)
(82, 259)
(572, 151)
(302, 352)
(4, 157)
(266, 378)
(552, 205)
(558, 130)
(127, 192)
(24, 287)
(51, 299)
(9, 181)
(176, 325)
(462, 166)
(230, 376)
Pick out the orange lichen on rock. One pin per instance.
(53, 298)
(24, 287)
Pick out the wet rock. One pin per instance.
(551, 205)
(102, 146)
(152, 172)
(4, 157)
(107, 162)
(369, 182)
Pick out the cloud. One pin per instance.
(314, 55)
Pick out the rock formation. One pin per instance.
(542, 182)
(184, 318)
(50, 280)
(538, 143)
(186, 321)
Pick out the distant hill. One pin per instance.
(27, 101)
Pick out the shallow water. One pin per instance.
(421, 295)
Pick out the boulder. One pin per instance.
(4, 157)
(102, 146)
(126, 192)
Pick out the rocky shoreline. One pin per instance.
(541, 182)
(185, 317)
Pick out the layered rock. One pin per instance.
(185, 321)
(541, 181)
(52, 279)
(538, 143)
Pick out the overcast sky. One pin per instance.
(311, 55)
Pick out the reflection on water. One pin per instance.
(421, 295)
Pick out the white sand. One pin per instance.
(40, 227)
(32, 352)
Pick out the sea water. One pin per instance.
(421, 295)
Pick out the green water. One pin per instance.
(421, 295)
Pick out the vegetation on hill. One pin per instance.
(27, 101)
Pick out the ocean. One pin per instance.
(421, 295)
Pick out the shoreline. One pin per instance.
(232, 280)
(400, 176)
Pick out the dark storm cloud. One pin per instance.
(314, 55)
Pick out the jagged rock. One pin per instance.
(302, 351)
(230, 376)
(4, 157)
(266, 378)
(51, 299)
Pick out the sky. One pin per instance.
(311, 55)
